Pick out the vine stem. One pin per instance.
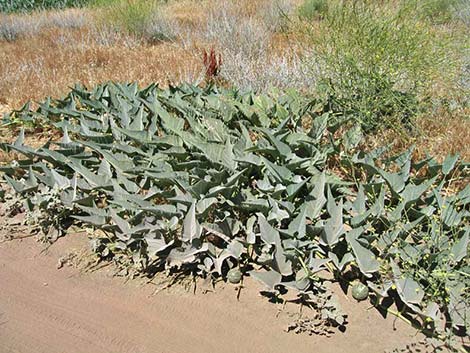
(407, 321)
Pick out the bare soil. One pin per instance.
(44, 309)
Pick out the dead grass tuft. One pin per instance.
(437, 136)
(445, 134)
(33, 68)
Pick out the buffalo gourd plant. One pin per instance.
(222, 183)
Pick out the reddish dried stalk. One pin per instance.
(212, 63)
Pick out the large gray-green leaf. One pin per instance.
(365, 258)
(407, 288)
(334, 226)
(191, 227)
(460, 248)
(269, 278)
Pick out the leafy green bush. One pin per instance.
(377, 61)
(438, 11)
(140, 18)
(311, 9)
(221, 184)
(131, 16)
(30, 5)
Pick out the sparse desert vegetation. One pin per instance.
(298, 142)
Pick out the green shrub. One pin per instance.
(9, 6)
(140, 18)
(311, 9)
(376, 61)
(131, 16)
(438, 11)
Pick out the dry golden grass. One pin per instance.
(437, 136)
(33, 137)
(445, 134)
(189, 12)
(51, 62)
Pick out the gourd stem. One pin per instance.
(415, 326)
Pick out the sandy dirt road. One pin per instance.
(47, 310)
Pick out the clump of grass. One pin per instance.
(275, 15)
(10, 30)
(72, 19)
(263, 73)
(10, 6)
(438, 11)
(13, 27)
(377, 61)
(312, 9)
(245, 42)
(235, 32)
(462, 12)
(103, 36)
(131, 16)
(160, 28)
(140, 18)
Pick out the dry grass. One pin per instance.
(437, 136)
(47, 63)
(34, 138)
(51, 62)
(445, 134)
(61, 52)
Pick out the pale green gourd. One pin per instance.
(234, 276)
(360, 291)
